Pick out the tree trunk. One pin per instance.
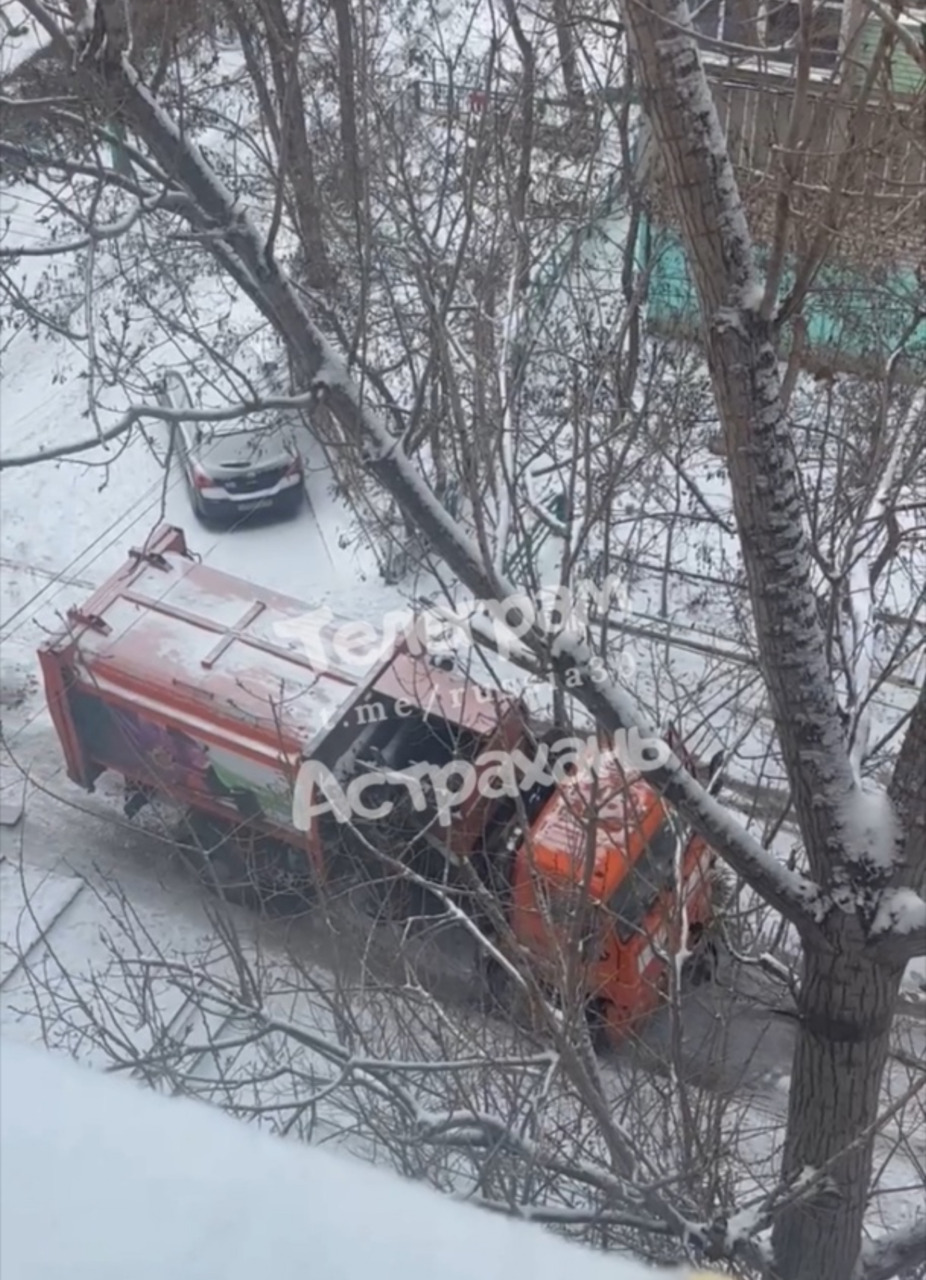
(286, 122)
(347, 95)
(848, 993)
(569, 63)
(846, 1006)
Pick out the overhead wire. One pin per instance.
(78, 562)
(164, 489)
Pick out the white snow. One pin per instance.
(753, 295)
(871, 826)
(901, 911)
(24, 37)
(30, 904)
(913, 987)
(103, 1179)
(743, 1225)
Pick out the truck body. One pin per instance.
(217, 695)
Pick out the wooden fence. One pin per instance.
(874, 154)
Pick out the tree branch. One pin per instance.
(95, 234)
(137, 413)
(743, 360)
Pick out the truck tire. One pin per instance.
(215, 860)
(701, 965)
(227, 874)
(597, 1022)
(496, 986)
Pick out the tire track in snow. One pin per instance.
(51, 575)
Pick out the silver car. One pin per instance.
(233, 471)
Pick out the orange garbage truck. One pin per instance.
(303, 751)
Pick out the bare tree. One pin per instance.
(347, 95)
(569, 63)
(849, 982)
(855, 896)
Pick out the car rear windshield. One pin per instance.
(246, 448)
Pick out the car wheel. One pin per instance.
(294, 502)
(199, 509)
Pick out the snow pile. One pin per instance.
(105, 1180)
(913, 987)
(902, 911)
(871, 827)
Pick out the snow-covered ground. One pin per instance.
(69, 523)
(20, 37)
(102, 1178)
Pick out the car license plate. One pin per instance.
(257, 506)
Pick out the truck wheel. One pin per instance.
(701, 966)
(226, 873)
(215, 860)
(597, 1020)
(496, 986)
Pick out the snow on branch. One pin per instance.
(673, 75)
(573, 662)
(902, 912)
(95, 234)
(741, 342)
(403, 1083)
(794, 895)
(319, 367)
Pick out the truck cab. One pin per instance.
(609, 883)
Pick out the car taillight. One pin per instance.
(201, 480)
(294, 468)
